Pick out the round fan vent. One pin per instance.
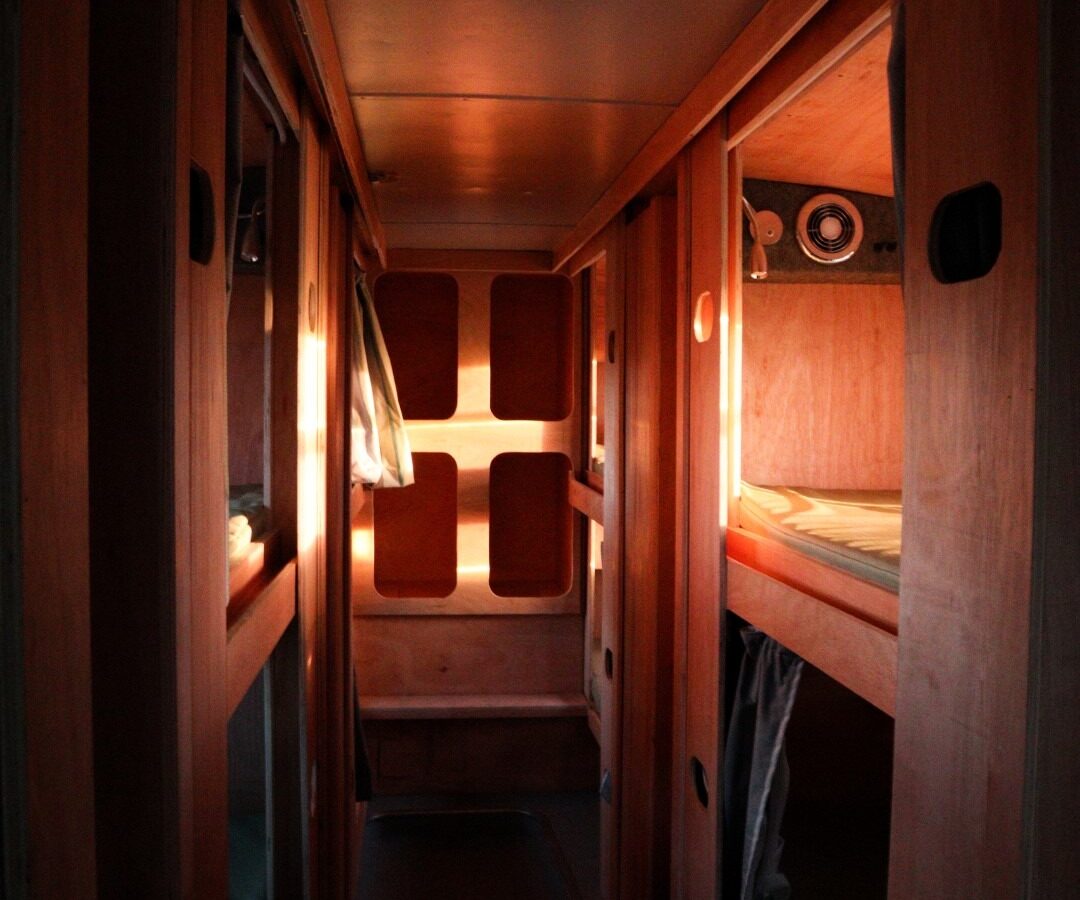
(829, 228)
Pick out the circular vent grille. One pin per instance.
(829, 228)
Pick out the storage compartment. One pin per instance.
(418, 314)
(828, 778)
(416, 531)
(530, 538)
(531, 347)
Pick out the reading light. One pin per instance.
(251, 248)
(759, 264)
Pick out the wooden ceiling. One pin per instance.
(836, 133)
(502, 121)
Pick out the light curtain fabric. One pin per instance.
(381, 455)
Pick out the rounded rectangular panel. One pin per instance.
(532, 367)
(418, 314)
(416, 531)
(530, 550)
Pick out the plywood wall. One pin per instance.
(823, 385)
(247, 378)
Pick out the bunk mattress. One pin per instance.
(248, 518)
(856, 531)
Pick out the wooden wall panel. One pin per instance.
(424, 514)
(418, 316)
(206, 478)
(473, 436)
(158, 458)
(604, 253)
(481, 756)
(701, 464)
(468, 654)
(284, 276)
(246, 353)
(52, 421)
(336, 781)
(823, 385)
(962, 693)
(648, 568)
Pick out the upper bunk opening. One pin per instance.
(823, 330)
(497, 125)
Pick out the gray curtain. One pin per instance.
(756, 771)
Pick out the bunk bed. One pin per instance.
(820, 596)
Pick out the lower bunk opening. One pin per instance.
(822, 756)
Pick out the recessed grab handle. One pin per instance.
(201, 216)
(701, 781)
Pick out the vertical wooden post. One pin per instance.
(49, 236)
(698, 701)
(612, 609)
(1052, 798)
(965, 583)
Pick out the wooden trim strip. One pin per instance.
(273, 61)
(357, 500)
(859, 655)
(255, 633)
(317, 36)
(590, 253)
(587, 500)
(469, 260)
(772, 28)
(465, 603)
(472, 706)
(841, 28)
(873, 604)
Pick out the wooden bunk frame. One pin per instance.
(842, 624)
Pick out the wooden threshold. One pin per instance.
(256, 624)
(859, 655)
(586, 499)
(472, 706)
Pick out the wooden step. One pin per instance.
(472, 706)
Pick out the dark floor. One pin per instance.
(836, 826)
(558, 838)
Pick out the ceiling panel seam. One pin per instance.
(396, 95)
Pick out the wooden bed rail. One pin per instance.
(842, 625)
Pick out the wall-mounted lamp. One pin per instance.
(251, 247)
(765, 228)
